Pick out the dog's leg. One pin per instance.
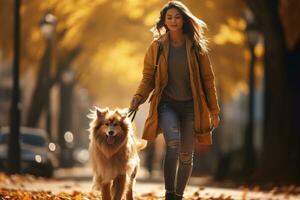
(129, 195)
(96, 183)
(105, 191)
(118, 187)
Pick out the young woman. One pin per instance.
(183, 104)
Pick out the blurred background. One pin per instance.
(74, 54)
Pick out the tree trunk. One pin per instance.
(42, 89)
(13, 152)
(65, 122)
(44, 84)
(294, 106)
(277, 160)
(249, 151)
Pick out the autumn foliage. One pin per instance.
(113, 37)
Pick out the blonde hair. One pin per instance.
(193, 27)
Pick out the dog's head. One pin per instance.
(109, 127)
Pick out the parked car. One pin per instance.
(37, 153)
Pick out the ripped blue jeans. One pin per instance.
(176, 119)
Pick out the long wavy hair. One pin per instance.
(193, 27)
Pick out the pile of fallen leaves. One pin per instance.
(18, 192)
(22, 194)
(76, 195)
(47, 195)
(196, 196)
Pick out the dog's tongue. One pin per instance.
(110, 139)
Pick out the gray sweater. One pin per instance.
(178, 87)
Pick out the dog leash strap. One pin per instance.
(133, 113)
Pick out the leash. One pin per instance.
(132, 113)
(160, 48)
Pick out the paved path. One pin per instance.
(142, 188)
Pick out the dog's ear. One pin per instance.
(122, 112)
(93, 113)
(91, 116)
(101, 112)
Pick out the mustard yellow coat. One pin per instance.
(155, 82)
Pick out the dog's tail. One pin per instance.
(141, 144)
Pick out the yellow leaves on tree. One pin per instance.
(113, 37)
(231, 32)
(120, 66)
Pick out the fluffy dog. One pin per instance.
(114, 153)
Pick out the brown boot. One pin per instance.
(178, 197)
(170, 196)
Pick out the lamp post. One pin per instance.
(13, 153)
(252, 39)
(66, 137)
(48, 25)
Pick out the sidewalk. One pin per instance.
(68, 181)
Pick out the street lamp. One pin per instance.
(47, 26)
(253, 35)
(66, 137)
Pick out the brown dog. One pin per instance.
(114, 153)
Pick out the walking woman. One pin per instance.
(183, 102)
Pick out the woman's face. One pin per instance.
(174, 20)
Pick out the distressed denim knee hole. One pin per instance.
(175, 129)
(186, 158)
(173, 144)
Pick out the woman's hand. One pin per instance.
(135, 102)
(215, 120)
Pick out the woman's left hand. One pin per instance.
(215, 120)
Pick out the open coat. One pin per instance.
(156, 80)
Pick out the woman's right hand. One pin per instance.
(135, 102)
